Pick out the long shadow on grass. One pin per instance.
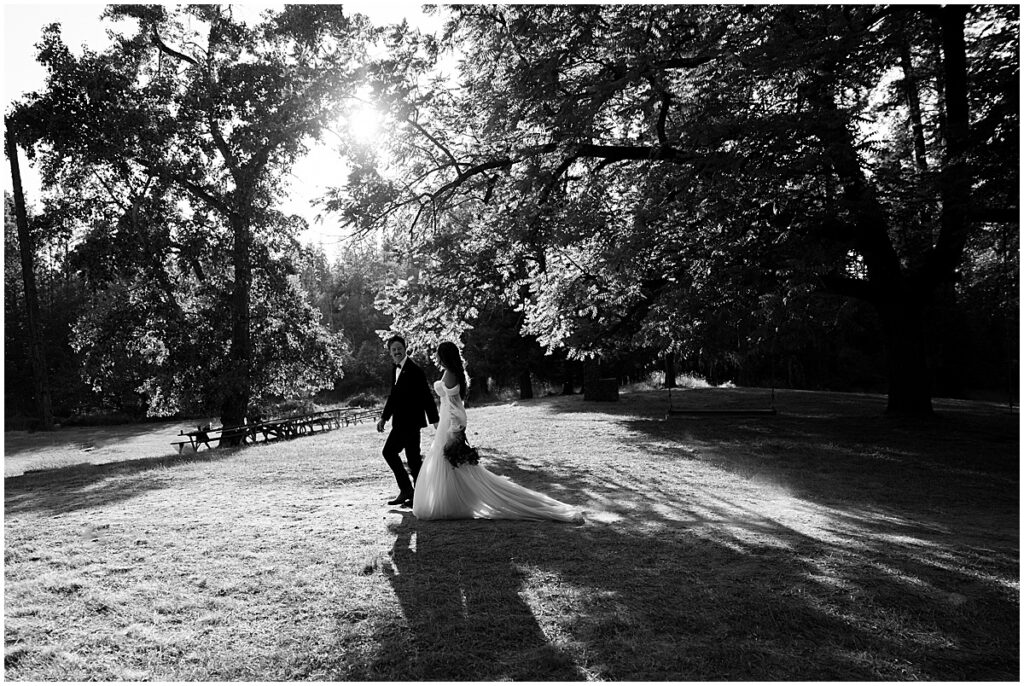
(75, 487)
(623, 601)
(919, 567)
(17, 442)
(838, 450)
(808, 549)
(459, 588)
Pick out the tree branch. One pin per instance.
(562, 168)
(955, 181)
(419, 212)
(608, 153)
(605, 163)
(223, 147)
(666, 100)
(158, 42)
(203, 194)
(871, 224)
(913, 102)
(686, 62)
(110, 191)
(650, 290)
(436, 142)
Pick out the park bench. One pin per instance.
(275, 429)
(206, 435)
(193, 439)
(360, 415)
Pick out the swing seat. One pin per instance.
(724, 411)
(674, 411)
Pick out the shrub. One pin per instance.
(364, 400)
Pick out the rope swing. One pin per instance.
(729, 411)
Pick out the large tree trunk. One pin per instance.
(910, 386)
(479, 388)
(237, 385)
(36, 353)
(910, 90)
(910, 391)
(670, 370)
(591, 376)
(525, 386)
(955, 178)
(568, 380)
(900, 293)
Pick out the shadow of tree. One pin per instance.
(770, 572)
(671, 604)
(831, 448)
(802, 547)
(824, 547)
(94, 437)
(85, 486)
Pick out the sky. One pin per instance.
(81, 25)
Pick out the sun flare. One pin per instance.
(364, 124)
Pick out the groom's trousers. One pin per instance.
(408, 440)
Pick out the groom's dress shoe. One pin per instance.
(401, 498)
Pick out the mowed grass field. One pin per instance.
(824, 543)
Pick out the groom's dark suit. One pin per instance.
(409, 406)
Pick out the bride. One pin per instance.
(469, 491)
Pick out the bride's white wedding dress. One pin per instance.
(470, 491)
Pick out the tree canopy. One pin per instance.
(170, 149)
(811, 194)
(670, 177)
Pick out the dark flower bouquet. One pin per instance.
(458, 451)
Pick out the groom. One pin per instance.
(409, 401)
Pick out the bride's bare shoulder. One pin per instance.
(449, 379)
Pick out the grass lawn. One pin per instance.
(825, 543)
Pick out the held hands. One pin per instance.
(380, 426)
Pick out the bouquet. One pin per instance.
(458, 451)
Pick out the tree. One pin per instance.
(61, 298)
(346, 292)
(189, 124)
(31, 298)
(654, 172)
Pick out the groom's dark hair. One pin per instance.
(396, 338)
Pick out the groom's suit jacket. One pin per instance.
(411, 403)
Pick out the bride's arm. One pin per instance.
(457, 417)
(449, 380)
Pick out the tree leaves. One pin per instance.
(649, 174)
(172, 148)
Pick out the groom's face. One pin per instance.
(397, 351)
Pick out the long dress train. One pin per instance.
(471, 491)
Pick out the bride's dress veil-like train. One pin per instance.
(471, 491)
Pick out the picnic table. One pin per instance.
(274, 429)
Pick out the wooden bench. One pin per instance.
(276, 429)
(194, 439)
(360, 415)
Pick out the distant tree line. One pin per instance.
(832, 345)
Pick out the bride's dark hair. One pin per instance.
(450, 357)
